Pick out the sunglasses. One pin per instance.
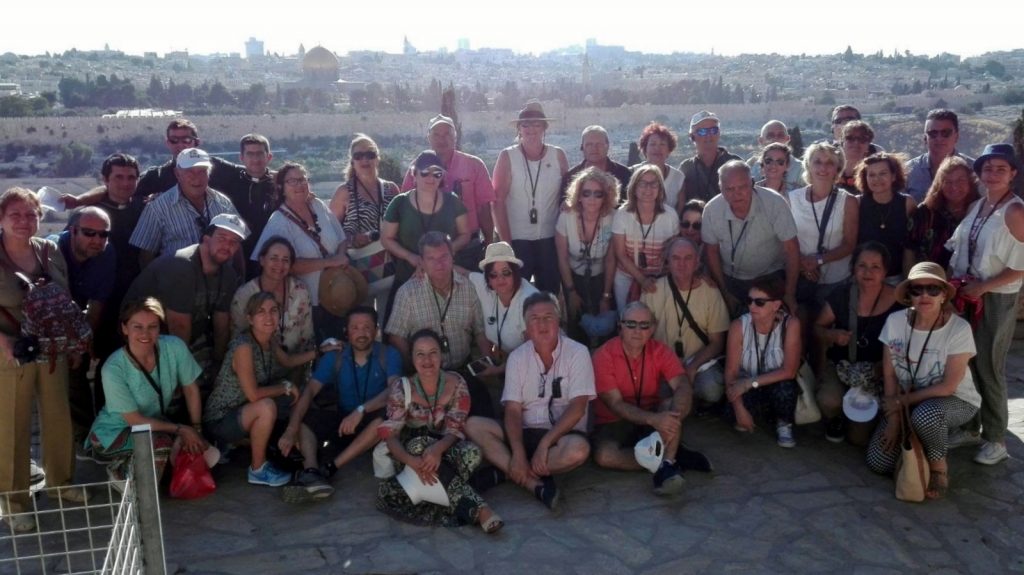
(687, 225)
(930, 289)
(945, 133)
(93, 233)
(759, 301)
(713, 130)
(501, 274)
(633, 324)
(189, 140)
(771, 162)
(585, 193)
(367, 155)
(438, 174)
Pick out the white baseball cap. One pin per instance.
(192, 158)
(231, 223)
(650, 451)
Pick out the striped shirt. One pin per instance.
(363, 216)
(170, 222)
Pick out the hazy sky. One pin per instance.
(785, 27)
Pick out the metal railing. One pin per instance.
(115, 531)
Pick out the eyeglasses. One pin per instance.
(930, 289)
(648, 184)
(367, 155)
(502, 274)
(585, 193)
(713, 130)
(857, 139)
(188, 140)
(437, 174)
(945, 133)
(296, 181)
(687, 225)
(844, 120)
(93, 233)
(633, 324)
(759, 301)
(772, 162)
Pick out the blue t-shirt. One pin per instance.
(94, 278)
(354, 384)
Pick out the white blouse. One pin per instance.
(498, 319)
(996, 247)
(807, 230)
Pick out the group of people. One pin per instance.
(228, 303)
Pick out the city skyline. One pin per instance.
(531, 27)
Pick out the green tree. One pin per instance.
(73, 160)
(796, 141)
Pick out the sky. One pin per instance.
(528, 26)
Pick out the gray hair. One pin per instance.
(732, 166)
(639, 305)
(591, 130)
(669, 247)
(434, 239)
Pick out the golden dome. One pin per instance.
(320, 59)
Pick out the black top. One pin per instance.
(701, 182)
(621, 173)
(887, 224)
(868, 328)
(254, 198)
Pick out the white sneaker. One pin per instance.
(991, 453)
(21, 523)
(962, 437)
(784, 432)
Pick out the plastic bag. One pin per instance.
(191, 478)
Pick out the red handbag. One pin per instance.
(191, 478)
(969, 307)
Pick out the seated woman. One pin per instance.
(501, 292)
(937, 388)
(762, 358)
(243, 404)
(847, 329)
(426, 432)
(140, 381)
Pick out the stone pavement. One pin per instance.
(812, 509)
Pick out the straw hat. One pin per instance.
(499, 252)
(924, 271)
(341, 289)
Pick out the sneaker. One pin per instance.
(835, 430)
(547, 492)
(74, 493)
(668, 480)
(486, 478)
(692, 460)
(784, 432)
(991, 453)
(310, 485)
(35, 473)
(962, 437)
(21, 523)
(269, 475)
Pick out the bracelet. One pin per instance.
(606, 295)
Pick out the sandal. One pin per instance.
(938, 485)
(493, 524)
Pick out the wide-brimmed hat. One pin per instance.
(499, 252)
(532, 111)
(924, 271)
(341, 289)
(1001, 151)
(860, 405)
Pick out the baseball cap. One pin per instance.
(649, 452)
(440, 119)
(193, 157)
(231, 223)
(701, 116)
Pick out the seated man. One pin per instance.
(629, 369)
(549, 381)
(356, 378)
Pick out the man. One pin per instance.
(92, 267)
(250, 187)
(549, 382)
(748, 232)
(595, 144)
(445, 302)
(774, 131)
(465, 176)
(357, 377)
(178, 218)
(701, 171)
(842, 115)
(628, 370)
(694, 319)
(195, 286)
(941, 134)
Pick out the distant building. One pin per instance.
(463, 44)
(254, 49)
(9, 89)
(407, 48)
(320, 66)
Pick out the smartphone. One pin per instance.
(478, 365)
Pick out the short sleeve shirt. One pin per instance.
(357, 384)
(637, 380)
(750, 247)
(504, 325)
(706, 306)
(412, 224)
(93, 279)
(417, 306)
(525, 379)
(170, 222)
(569, 224)
(468, 179)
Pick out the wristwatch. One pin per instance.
(606, 295)
(821, 260)
(361, 408)
(287, 388)
(754, 384)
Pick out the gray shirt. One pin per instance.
(750, 247)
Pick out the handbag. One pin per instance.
(383, 463)
(191, 478)
(912, 472)
(807, 410)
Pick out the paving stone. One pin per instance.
(613, 539)
(971, 548)
(293, 559)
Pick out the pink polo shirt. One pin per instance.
(474, 181)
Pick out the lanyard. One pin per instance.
(587, 245)
(431, 400)
(534, 181)
(642, 255)
(149, 378)
(425, 222)
(284, 304)
(362, 389)
(441, 315)
(312, 231)
(504, 316)
(762, 352)
(638, 390)
(736, 242)
(972, 237)
(825, 215)
(920, 356)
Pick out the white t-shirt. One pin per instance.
(664, 228)
(509, 319)
(569, 227)
(951, 339)
(523, 382)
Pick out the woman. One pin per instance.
(422, 209)
(690, 221)
(640, 229)
(360, 204)
(140, 381)
(657, 143)
(501, 291)
(761, 360)
(583, 238)
(856, 144)
(951, 194)
(884, 208)
(296, 330)
(988, 257)
(242, 403)
(316, 235)
(847, 330)
(774, 161)
(21, 383)
(826, 223)
(426, 432)
(936, 387)
(527, 186)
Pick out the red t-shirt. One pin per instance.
(611, 371)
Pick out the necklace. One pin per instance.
(425, 222)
